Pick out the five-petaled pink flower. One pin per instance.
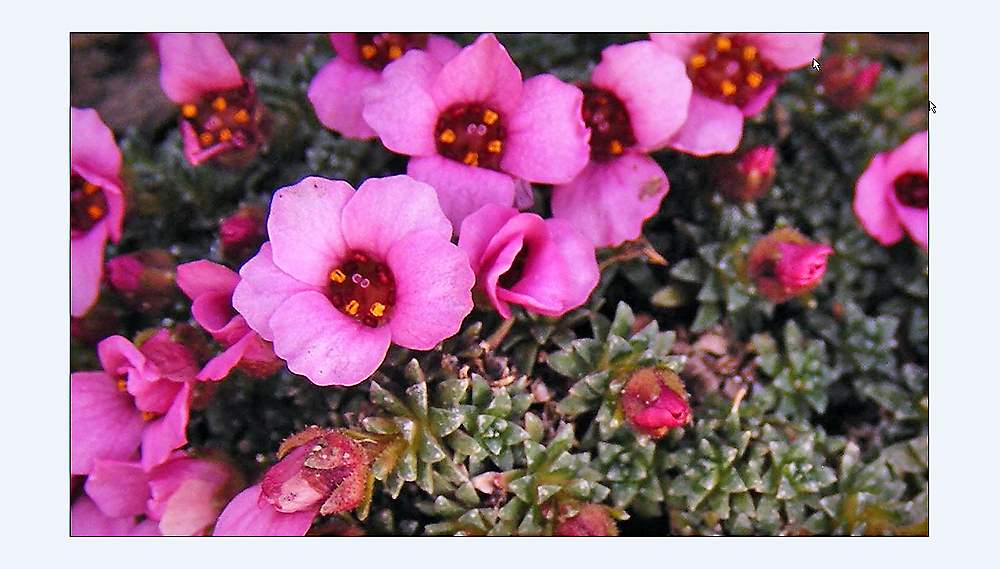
(347, 272)
(734, 76)
(544, 265)
(96, 204)
(335, 91)
(220, 116)
(210, 287)
(892, 194)
(637, 98)
(473, 127)
(784, 264)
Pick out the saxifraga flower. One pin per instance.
(892, 195)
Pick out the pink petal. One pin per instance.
(193, 151)
(652, 84)
(192, 65)
(441, 48)
(304, 226)
(335, 93)
(478, 229)
(712, 127)
(167, 433)
(785, 50)
(248, 515)
(219, 367)
(760, 100)
(214, 312)
(680, 45)
(86, 262)
(384, 210)
(547, 140)
(118, 488)
(871, 203)
(481, 73)
(911, 156)
(609, 201)
(321, 343)
(262, 288)
(94, 154)
(462, 189)
(86, 519)
(914, 220)
(433, 289)
(184, 492)
(104, 422)
(204, 277)
(578, 254)
(345, 45)
(399, 107)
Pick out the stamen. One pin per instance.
(698, 61)
(352, 307)
(338, 276)
(490, 117)
(394, 52)
(205, 139)
(95, 212)
(148, 415)
(189, 111)
(122, 384)
(447, 137)
(749, 53)
(723, 43)
(219, 104)
(90, 189)
(471, 159)
(241, 116)
(727, 87)
(368, 51)
(377, 309)
(225, 134)
(754, 79)
(494, 146)
(616, 147)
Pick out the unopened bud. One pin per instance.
(848, 81)
(242, 233)
(784, 264)
(145, 278)
(654, 401)
(591, 520)
(747, 176)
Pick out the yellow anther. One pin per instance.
(495, 146)
(241, 116)
(352, 307)
(368, 51)
(727, 87)
(225, 134)
(90, 189)
(95, 211)
(219, 104)
(148, 415)
(122, 384)
(395, 51)
(189, 111)
(447, 137)
(754, 79)
(749, 53)
(471, 159)
(377, 309)
(723, 43)
(338, 276)
(616, 147)
(205, 138)
(490, 117)
(697, 61)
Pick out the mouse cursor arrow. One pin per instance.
(815, 64)
(932, 107)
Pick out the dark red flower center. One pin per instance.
(512, 275)
(364, 289)
(728, 69)
(229, 116)
(911, 189)
(608, 121)
(379, 50)
(87, 204)
(471, 134)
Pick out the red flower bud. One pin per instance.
(654, 401)
(848, 81)
(745, 177)
(144, 278)
(591, 520)
(242, 233)
(784, 264)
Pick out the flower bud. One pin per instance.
(176, 352)
(242, 233)
(145, 278)
(784, 264)
(745, 177)
(654, 401)
(591, 520)
(848, 81)
(319, 467)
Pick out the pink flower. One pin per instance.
(345, 273)
(141, 398)
(637, 99)
(210, 287)
(784, 264)
(220, 116)
(734, 76)
(183, 496)
(323, 472)
(241, 234)
(892, 193)
(335, 91)
(86, 519)
(746, 177)
(654, 401)
(847, 81)
(96, 204)
(544, 265)
(473, 127)
(144, 278)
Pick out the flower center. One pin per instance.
(225, 117)
(911, 189)
(608, 121)
(727, 69)
(364, 289)
(379, 50)
(512, 275)
(87, 204)
(470, 134)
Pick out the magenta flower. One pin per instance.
(734, 76)
(748, 176)
(86, 519)
(544, 265)
(654, 401)
(892, 194)
(220, 115)
(784, 264)
(96, 204)
(184, 495)
(322, 472)
(210, 287)
(637, 99)
(335, 91)
(345, 273)
(472, 126)
(141, 398)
